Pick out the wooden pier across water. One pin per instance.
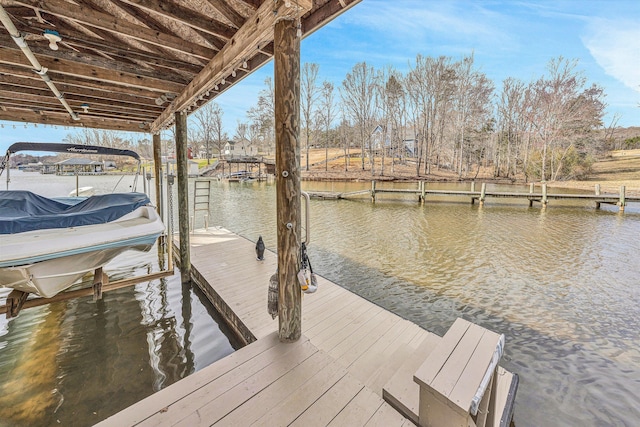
(621, 199)
(352, 354)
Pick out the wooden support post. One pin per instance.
(100, 279)
(183, 195)
(144, 180)
(530, 192)
(622, 201)
(288, 189)
(373, 191)
(157, 173)
(544, 196)
(483, 192)
(597, 189)
(157, 170)
(423, 192)
(15, 301)
(473, 190)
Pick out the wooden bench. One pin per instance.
(456, 379)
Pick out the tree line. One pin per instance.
(442, 113)
(447, 114)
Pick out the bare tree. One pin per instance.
(395, 108)
(511, 126)
(209, 124)
(563, 109)
(327, 115)
(309, 93)
(430, 85)
(358, 98)
(345, 136)
(262, 116)
(473, 111)
(242, 130)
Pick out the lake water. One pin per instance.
(562, 284)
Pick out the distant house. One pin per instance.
(79, 165)
(241, 148)
(378, 139)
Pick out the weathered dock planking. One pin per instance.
(332, 376)
(621, 199)
(349, 351)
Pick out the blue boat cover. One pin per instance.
(22, 211)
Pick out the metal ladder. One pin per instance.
(201, 201)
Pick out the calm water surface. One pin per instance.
(561, 284)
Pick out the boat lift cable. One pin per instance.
(37, 67)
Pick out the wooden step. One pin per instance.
(401, 391)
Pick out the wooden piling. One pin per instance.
(530, 192)
(483, 192)
(423, 193)
(183, 195)
(544, 196)
(157, 170)
(473, 190)
(622, 201)
(288, 189)
(373, 191)
(597, 192)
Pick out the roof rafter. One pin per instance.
(257, 30)
(186, 16)
(87, 16)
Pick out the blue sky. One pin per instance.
(508, 39)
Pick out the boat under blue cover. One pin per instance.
(22, 211)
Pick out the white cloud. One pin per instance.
(410, 22)
(616, 48)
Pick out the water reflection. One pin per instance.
(560, 283)
(77, 362)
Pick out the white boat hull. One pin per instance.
(46, 262)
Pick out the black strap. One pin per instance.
(304, 258)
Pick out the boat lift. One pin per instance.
(18, 300)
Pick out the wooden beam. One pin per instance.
(87, 16)
(81, 41)
(253, 3)
(84, 292)
(68, 84)
(326, 13)
(186, 16)
(63, 119)
(156, 25)
(288, 210)
(255, 32)
(100, 62)
(105, 76)
(46, 101)
(228, 12)
(182, 165)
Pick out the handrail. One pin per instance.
(307, 238)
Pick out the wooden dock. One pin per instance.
(334, 375)
(543, 196)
